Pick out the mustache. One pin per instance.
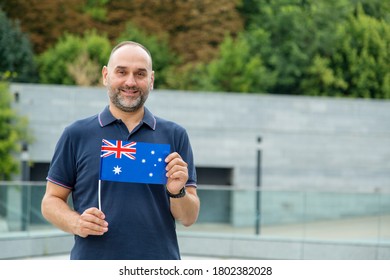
(134, 88)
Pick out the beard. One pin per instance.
(125, 103)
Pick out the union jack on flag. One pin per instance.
(118, 149)
(119, 163)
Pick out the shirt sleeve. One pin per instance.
(62, 169)
(185, 150)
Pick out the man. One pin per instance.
(136, 221)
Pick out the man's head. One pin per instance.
(128, 76)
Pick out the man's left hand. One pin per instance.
(177, 173)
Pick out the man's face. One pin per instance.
(128, 78)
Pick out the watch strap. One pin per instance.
(178, 195)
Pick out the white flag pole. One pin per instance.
(99, 197)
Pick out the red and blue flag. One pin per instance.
(135, 162)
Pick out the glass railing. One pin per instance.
(20, 208)
(301, 215)
(283, 214)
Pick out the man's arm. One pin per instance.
(185, 209)
(56, 210)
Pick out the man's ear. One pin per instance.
(104, 75)
(152, 81)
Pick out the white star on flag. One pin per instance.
(117, 169)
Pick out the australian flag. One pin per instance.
(135, 162)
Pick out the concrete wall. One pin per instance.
(244, 247)
(24, 245)
(308, 143)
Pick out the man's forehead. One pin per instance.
(133, 67)
(130, 54)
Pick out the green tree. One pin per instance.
(234, 70)
(16, 55)
(96, 9)
(359, 64)
(292, 38)
(322, 47)
(321, 79)
(237, 70)
(13, 130)
(362, 56)
(75, 60)
(378, 9)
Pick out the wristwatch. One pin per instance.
(180, 194)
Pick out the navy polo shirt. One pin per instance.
(140, 224)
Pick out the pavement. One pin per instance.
(369, 228)
(66, 257)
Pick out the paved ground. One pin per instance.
(66, 257)
(375, 228)
(369, 228)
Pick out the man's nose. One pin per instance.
(130, 80)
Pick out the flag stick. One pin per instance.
(99, 198)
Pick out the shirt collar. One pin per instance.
(149, 119)
(105, 118)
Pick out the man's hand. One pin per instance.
(177, 173)
(91, 222)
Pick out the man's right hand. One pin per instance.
(91, 222)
